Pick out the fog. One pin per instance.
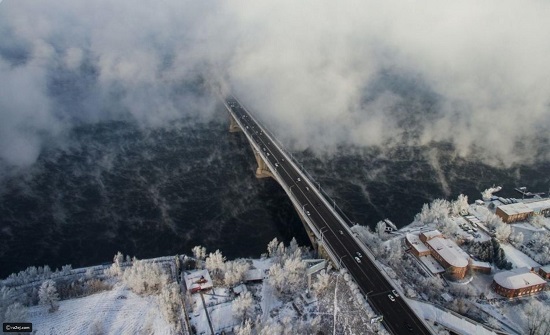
(321, 73)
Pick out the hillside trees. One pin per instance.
(15, 313)
(48, 295)
(145, 277)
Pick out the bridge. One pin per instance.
(328, 231)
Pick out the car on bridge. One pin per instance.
(395, 293)
(308, 213)
(358, 260)
(391, 297)
(359, 254)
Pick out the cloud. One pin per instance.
(322, 74)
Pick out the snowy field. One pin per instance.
(118, 311)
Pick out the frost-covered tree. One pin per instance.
(293, 246)
(368, 237)
(170, 302)
(276, 276)
(537, 221)
(145, 277)
(66, 269)
(517, 238)
(537, 318)
(7, 297)
(502, 230)
(380, 228)
(235, 271)
(116, 267)
(447, 227)
(16, 313)
(460, 205)
(322, 283)
(245, 328)
(47, 295)
(438, 210)
(199, 253)
(242, 306)
(215, 263)
(118, 259)
(272, 247)
(393, 251)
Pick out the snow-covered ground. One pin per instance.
(517, 258)
(448, 320)
(118, 311)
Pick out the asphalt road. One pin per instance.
(398, 316)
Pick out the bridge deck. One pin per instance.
(333, 232)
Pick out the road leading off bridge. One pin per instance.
(328, 232)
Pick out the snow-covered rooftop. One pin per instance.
(513, 209)
(537, 206)
(480, 264)
(253, 275)
(450, 252)
(197, 280)
(518, 278)
(431, 234)
(432, 264)
(415, 242)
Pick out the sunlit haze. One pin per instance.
(320, 73)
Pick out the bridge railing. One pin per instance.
(336, 260)
(339, 213)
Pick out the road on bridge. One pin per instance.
(398, 316)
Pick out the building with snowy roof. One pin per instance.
(198, 280)
(446, 252)
(541, 207)
(517, 282)
(449, 255)
(514, 212)
(483, 267)
(418, 248)
(428, 235)
(544, 271)
(253, 275)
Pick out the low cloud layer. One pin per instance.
(321, 73)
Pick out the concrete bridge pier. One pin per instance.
(315, 242)
(233, 126)
(263, 170)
